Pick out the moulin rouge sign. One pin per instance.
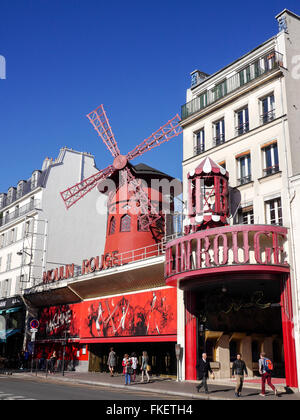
(227, 246)
(88, 266)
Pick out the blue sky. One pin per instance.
(66, 57)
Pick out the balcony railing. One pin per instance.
(198, 149)
(270, 170)
(253, 71)
(244, 180)
(267, 117)
(22, 211)
(242, 129)
(219, 139)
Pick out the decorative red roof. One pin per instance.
(208, 166)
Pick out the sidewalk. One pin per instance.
(218, 389)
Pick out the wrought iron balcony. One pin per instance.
(22, 211)
(244, 180)
(262, 66)
(271, 170)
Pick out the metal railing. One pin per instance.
(220, 139)
(21, 211)
(244, 180)
(264, 65)
(242, 129)
(271, 170)
(267, 117)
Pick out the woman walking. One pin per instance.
(112, 361)
(145, 366)
(134, 363)
(53, 360)
(127, 369)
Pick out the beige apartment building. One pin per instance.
(246, 118)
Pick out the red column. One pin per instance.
(190, 336)
(288, 333)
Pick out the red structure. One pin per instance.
(148, 215)
(236, 279)
(207, 196)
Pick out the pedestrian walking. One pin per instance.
(134, 363)
(112, 361)
(265, 367)
(145, 367)
(53, 360)
(203, 367)
(239, 369)
(127, 369)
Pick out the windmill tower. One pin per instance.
(136, 221)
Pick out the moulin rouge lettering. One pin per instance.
(88, 266)
(219, 247)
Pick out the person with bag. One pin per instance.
(53, 360)
(127, 369)
(265, 367)
(145, 367)
(134, 363)
(238, 370)
(203, 367)
(112, 361)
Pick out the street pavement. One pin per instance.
(167, 388)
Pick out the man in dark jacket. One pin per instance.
(203, 367)
(238, 371)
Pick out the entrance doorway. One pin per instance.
(240, 316)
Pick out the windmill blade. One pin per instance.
(171, 129)
(148, 215)
(101, 124)
(75, 193)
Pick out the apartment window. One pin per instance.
(220, 90)
(5, 288)
(2, 200)
(267, 109)
(112, 226)
(203, 100)
(269, 61)
(244, 169)
(242, 121)
(199, 142)
(219, 132)
(274, 212)
(245, 76)
(20, 189)
(271, 159)
(8, 262)
(125, 223)
(11, 195)
(2, 240)
(34, 179)
(245, 215)
(12, 234)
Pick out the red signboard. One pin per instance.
(152, 313)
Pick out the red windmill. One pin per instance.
(148, 215)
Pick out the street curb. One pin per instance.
(136, 387)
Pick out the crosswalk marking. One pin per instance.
(4, 396)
